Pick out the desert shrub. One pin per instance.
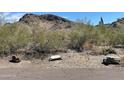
(55, 40)
(79, 35)
(111, 38)
(76, 40)
(38, 41)
(41, 39)
(21, 37)
(88, 45)
(13, 37)
(106, 51)
(47, 42)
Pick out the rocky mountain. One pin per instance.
(53, 22)
(119, 24)
(46, 21)
(116, 25)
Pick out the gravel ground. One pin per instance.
(74, 66)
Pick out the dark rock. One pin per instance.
(109, 61)
(15, 59)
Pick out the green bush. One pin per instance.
(13, 37)
(108, 51)
(21, 36)
(55, 40)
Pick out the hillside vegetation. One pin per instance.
(34, 40)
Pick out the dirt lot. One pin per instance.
(61, 74)
(74, 66)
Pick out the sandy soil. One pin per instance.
(74, 66)
(61, 74)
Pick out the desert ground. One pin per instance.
(73, 66)
(34, 38)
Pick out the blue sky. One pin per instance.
(94, 17)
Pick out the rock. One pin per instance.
(111, 59)
(15, 59)
(55, 57)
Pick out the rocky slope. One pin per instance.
(118, 24)
(46, 21)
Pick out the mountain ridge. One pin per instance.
(54, 22)
(47, 21)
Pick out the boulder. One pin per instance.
(111, 59)
(15, 59)
(55, 57)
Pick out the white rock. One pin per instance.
(116, 57)
(111, 59)
(113, 56)
(55, 57)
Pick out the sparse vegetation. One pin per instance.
(17, 36)
(106, 51)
